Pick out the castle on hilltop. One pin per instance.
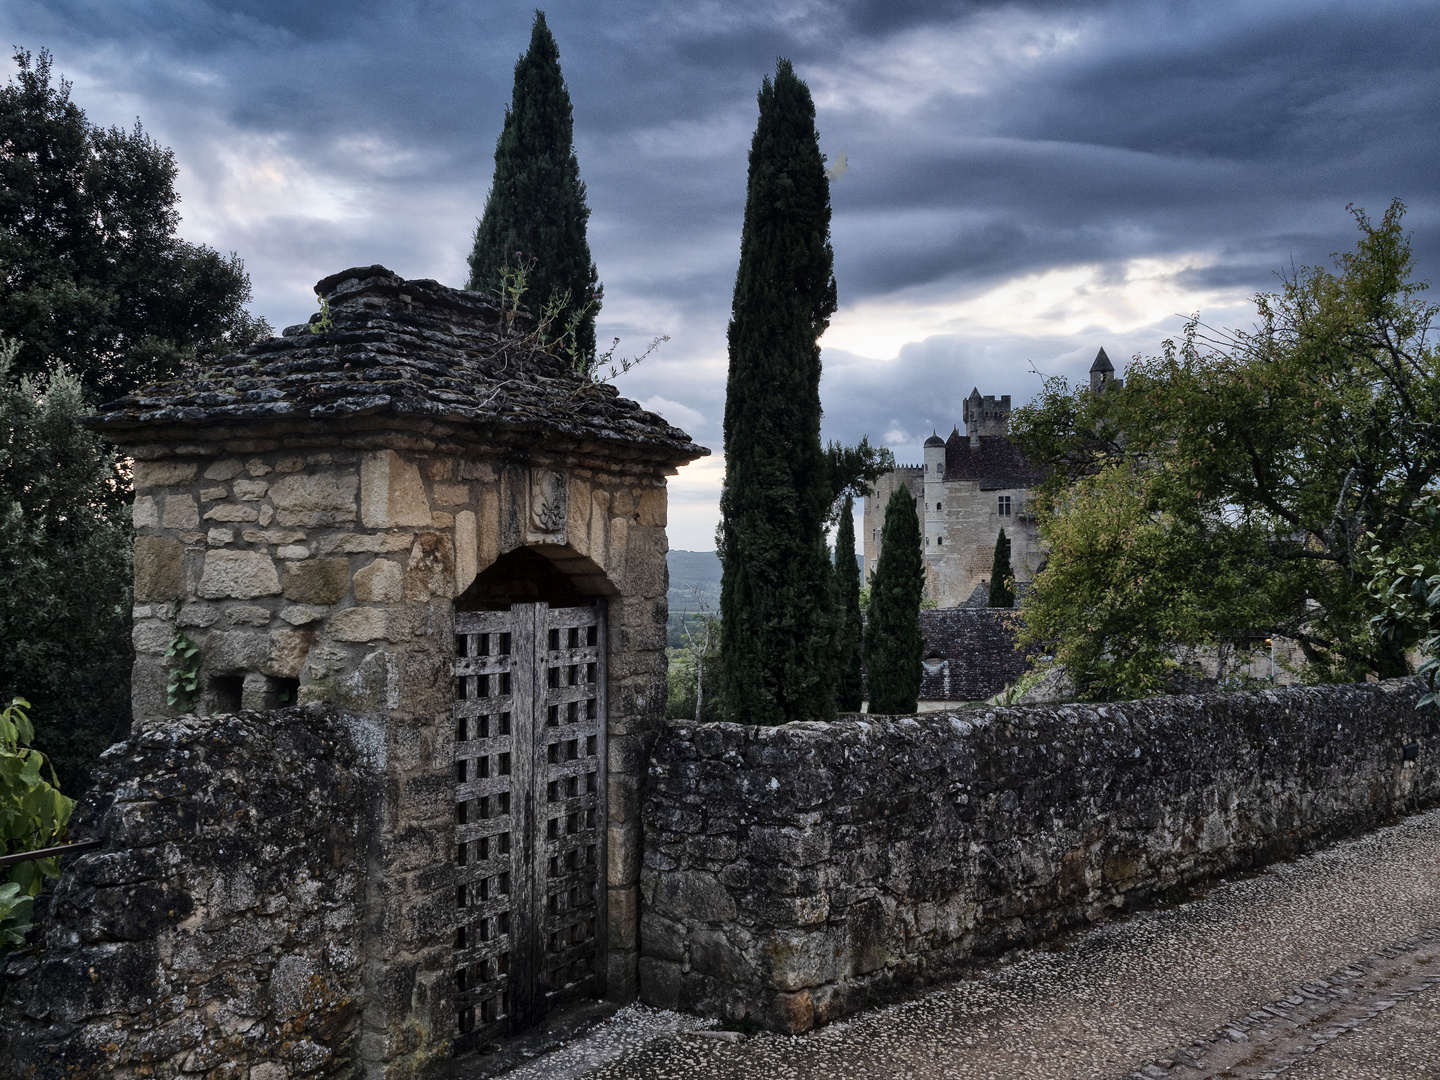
(969, 488)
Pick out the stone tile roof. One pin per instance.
(969, 653)
(403, 350)
(995, 463)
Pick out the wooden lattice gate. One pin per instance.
(530, 814)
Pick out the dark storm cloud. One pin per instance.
(985, 141)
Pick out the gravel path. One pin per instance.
(1343, 946)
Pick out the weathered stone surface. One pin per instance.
(392, 493)
(181, 512)
(227, 469)
(466, 565)
(379, 582)
(150, 474)
(303, 614)
(228, 897)
(232, 512)
(159, 568)
(144, 514)
(317, 581)
(358, 624)
(238, 574)
(851, 862)
(288, 649)
(315, 499)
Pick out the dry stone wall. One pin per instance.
(803, 872)
(219, 931)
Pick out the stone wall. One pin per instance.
(219, 931)
(803, 872)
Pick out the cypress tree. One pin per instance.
(850, 636)
(893, 645)
(1002, 578)
(776, 623)
(536, 204)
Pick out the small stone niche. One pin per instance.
(312, 513)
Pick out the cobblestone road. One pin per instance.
(1322, 969)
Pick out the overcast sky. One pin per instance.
(1026, 182)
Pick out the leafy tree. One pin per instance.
(777, 642)
(65, 544)
(33, 816)
(850, 643)
(1233, 486)
(1002, 577)
(92, 275)
(893, 645)
(535, 214)
(1406, 585)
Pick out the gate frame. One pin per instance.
(529, 665)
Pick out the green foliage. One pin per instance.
(1406, 585)
(184, 657)
(852, 469)
(1002, 577)
(536, 210)
(777, 635)
(1228, 489)
(91, 273)
(33, 815)
(65, 544)
(850, 638)
(1135, 569)
(1012, 694)
(893, 645)
(323, 322)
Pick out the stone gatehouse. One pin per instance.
(411, 512)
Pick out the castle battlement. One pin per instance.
(986, 415)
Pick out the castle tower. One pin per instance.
(1101, 371)
(933, 519)
(986, 416)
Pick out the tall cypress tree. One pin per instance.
(893, 645)
(777, 626)
(536, 204)
(1002, 577)
(850, 637)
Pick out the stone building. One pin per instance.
(969, 488)
(419, 518)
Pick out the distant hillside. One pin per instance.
(691, 568)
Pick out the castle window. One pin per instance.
(1004, 505)
(937, 506)
(939, 540)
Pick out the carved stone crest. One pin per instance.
(548, 496)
